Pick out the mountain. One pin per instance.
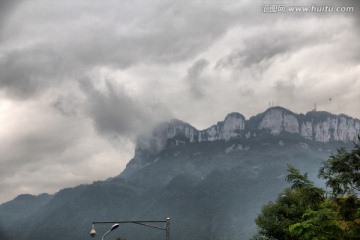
(317, 126)
(211, 183)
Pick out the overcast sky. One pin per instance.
(80, 79)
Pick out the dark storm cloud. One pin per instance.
(171, 32)
(195, 71)
(264, 46)
(197, 85)
(6, 8)
(29, 71)
(255, 51)
(115, 112)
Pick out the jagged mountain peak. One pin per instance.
(279, 108)
(157, 139)
(171, 123)
(272, 111)
(316, 126)
(323, 115)
(234, 115)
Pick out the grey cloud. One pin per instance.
(34, 144)
(25, 72)
(256, 51)
(44, 151)
(6, 8)
(68, 105)
(171, 32)
(261, 49)
(115, 112)
(196, 83)
(286, 89)
(356, 15)
(195, 71)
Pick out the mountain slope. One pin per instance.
(211, 183)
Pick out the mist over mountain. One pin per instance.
(211, 183)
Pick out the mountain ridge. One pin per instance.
(317, 126)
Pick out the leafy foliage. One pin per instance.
(342, 171)
(304, 211)
(276, 218)
(336, 219)
(320, 224)
(301, 183)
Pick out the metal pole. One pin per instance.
(105, 235)
(167, 228)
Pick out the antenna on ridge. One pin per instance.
(314, 107)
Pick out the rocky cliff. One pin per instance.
(317, 126)
(314, 125)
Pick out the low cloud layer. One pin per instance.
(115, 112)
(79, 81)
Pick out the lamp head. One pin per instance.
(92, 232)
(115, 226)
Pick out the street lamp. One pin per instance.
(142, 223)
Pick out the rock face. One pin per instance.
(172, 132)
(231, 127)
(316, 126)
(279, 120)
(179, 132)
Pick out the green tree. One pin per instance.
(304, 211)
(276, 218)
(342, 171)
(339, 215)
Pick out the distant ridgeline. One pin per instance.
(315, 125)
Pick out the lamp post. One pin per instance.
(142, 223)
